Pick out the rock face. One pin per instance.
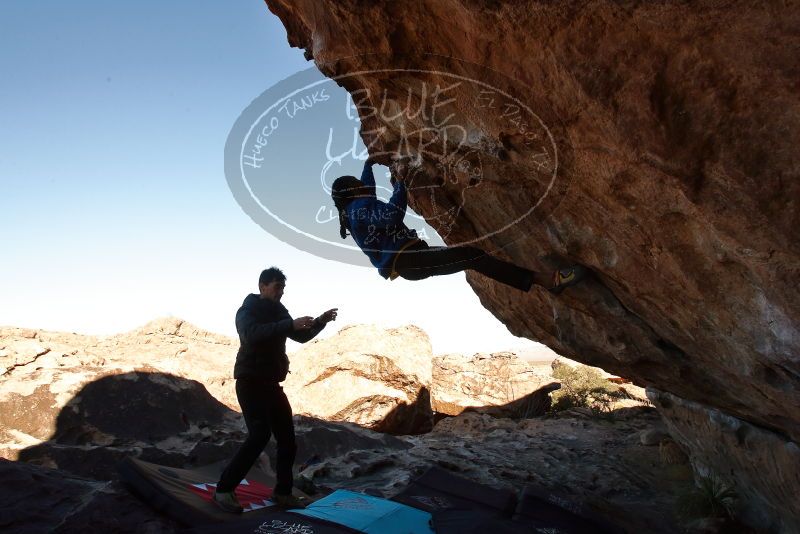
(48, 371)
(654, 143)
(381, 379)
(168, 344)
(762, 466)
(66, 480)
(377, 378)
(366, 375)
(148, 414)
(483, 380)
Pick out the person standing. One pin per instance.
(263, 324)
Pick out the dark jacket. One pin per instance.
(377, 227)
(263, 326)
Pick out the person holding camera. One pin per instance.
(263, 324)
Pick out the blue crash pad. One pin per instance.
(368, 514)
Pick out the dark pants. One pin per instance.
(266, 411)
(421, 261)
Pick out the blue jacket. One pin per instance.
(377, 227)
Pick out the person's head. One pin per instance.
(271, 283)
(346, 188)
(343, 191)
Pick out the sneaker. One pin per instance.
(227, 501)
(288, 501)
(569, 276)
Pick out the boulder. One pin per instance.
(168, 344)
(654, 143)
(17, 351)
(85, 421)
(377, 378)
(762, 466)
(483, 380)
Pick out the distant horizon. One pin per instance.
(524, 353)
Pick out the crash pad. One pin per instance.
(369, 514)
(540, 509)
(275, 522)
(437, 489)
(185, 494)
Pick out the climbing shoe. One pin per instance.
(227, 501)
(568, 276)
(288, 501)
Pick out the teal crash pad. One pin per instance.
(368, 514)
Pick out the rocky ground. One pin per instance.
(72, 407)
(595, 464)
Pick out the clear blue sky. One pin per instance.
(114, 207)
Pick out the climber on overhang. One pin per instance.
(377, 228)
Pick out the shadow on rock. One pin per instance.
(150, 415)
(154, 416)
(534, 404)
(409, 418)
